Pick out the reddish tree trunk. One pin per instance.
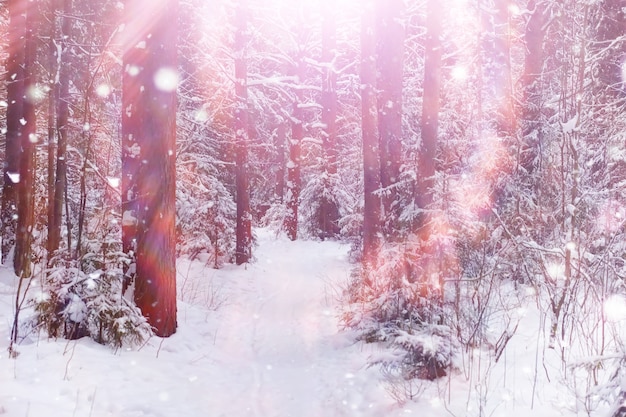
(148, 170)
(60, 182)
(389, 62)
(281, 140)
(15, 100)
(294, 181)
(430, 110)
(329, 212)
(371, 162)
(28, 138)
(532, 132)
(244, 218)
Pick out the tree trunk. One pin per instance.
(389, 62)
(26, 194)
(279, 143)
(148, 164)
(532, 132)
(294, 181)
(15, 100)
(329, 212)
(430, 112)
(371, 162)
(244, 218)
(60, 182)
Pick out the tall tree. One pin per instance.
(329, 212)
(28, 138)
(62, 125)
(15, 100)
(389, 63)
(294, 180)
(52, 129)
(371, 161)
(430, 110)
(148, 159)
(244, 218)
(532, 130)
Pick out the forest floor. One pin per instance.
(261, 340)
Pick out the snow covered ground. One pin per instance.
(261, 340)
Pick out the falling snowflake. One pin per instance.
(615, 308)
(166, 79)
(14, 177)
(103, 90)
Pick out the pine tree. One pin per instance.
(148, 165)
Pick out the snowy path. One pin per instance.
(280, 336)
(273, 349)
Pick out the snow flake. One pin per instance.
(166, 79)
(35, 94)
(33, 138)
(14, 177)
(133, 70)
(103, 90)
(615, 308)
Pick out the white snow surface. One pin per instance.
(273, 347)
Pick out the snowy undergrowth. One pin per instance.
(264, 340)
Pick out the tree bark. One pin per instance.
(294, 181)
(329, 212)
(28, 138)
(15, 100)
(243, 245)
(531, 126)
(430, 112)
(389, 52)
(148, 164)
(369, 132)
(279, 143)
(60, 181)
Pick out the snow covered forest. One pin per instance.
(313, 208)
